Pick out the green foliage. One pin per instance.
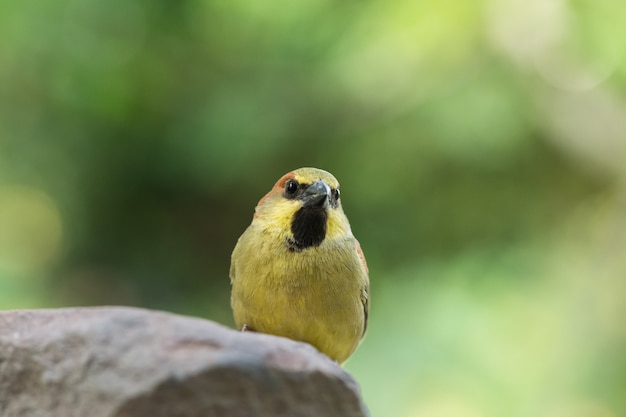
(480, 146)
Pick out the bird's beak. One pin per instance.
(316, 195)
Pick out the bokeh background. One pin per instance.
(481, 147)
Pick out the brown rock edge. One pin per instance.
(122, 362)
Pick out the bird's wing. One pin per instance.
(365, 291)
(365, 299)
(232, 273)
(359, 251)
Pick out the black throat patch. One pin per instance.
(308, 228)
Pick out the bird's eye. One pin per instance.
(291, 187)
(336, 194)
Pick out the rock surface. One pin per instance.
(123, 362)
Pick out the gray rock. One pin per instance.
(123, 362)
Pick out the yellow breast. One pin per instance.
(314, 295)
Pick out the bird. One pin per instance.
(297, 271)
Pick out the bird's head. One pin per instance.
(303, 208)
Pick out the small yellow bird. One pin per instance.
(297, 271)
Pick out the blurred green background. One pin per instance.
(481, 148)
